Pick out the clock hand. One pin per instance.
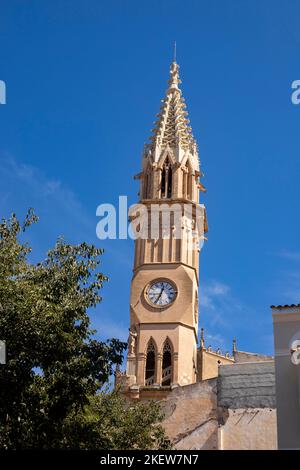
(159, 295)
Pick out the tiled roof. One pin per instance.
(285, 306)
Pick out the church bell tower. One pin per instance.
(163, 334)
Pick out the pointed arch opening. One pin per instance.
(167, 363)
(169, 184)
(150, 363)
(163, 182)
(166, 180)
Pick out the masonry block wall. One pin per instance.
(236, 411)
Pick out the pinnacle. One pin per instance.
(172, 124)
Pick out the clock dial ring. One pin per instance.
(161, 293)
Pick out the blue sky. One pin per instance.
(84, 82)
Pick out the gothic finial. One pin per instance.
(234, 348)
(202, 345)
(175, 51)
(174, 80)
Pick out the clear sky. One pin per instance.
(84, 82)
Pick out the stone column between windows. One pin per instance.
(175, 369)
(157, 183)
(158, 370)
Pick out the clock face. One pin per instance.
(161, 293)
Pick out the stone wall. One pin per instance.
(236, 411)
(248, 429)
(247, 385)
(246, 406)
(191, 416)
(208, 363)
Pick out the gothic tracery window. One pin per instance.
(150, 363)
(167, 369)
(166, 180)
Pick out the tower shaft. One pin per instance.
(164, 288)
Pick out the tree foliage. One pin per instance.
(111, 423)
(50, 387)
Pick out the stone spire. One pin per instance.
(172, 126)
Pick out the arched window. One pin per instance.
(150, 363)
(169, 184)
(166, 180)
(163, 182)
(167, 369)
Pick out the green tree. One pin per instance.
(51, 388)
(111, 423)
